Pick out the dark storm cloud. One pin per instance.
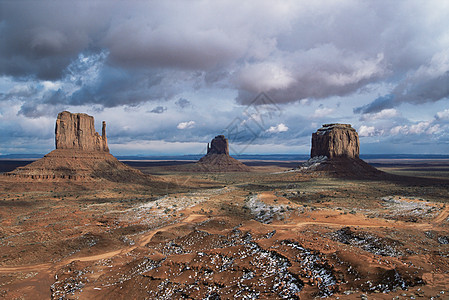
(25, 92)
(115, 87)
(40, 38)
(158, 110)
(377, 105)
(106, 86)
(290, 50)
(132, 44)
(359, 44)
(35, 110)
(416, 90)
(183, 103)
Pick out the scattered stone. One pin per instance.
(444, 240)
(313, 162)
(368, 242)
(265, 213)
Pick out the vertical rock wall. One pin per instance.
(77, 131)
(219, 145)
(335, 140)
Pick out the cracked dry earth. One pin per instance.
(227, 236)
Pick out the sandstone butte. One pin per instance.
(335, 140)
(81, 154)
(335, 150)
(77, 131)
(218, 159)
(218, 145)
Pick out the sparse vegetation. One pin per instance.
(278, 235)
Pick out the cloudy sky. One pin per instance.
(167, 76)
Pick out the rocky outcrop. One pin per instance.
(77, 131)
(220, 163)
(335, 151)
(78, 165)
(219, 145)
(81, 155)
(335, 140)
(218, 159)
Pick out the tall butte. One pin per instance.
(219, 145)
(335, 150)
(77, 131)
(218, 159)
(81, 154)
(335, 141)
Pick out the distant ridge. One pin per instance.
(281, 157)
(22, 156)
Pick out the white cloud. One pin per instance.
(278, 128)
(304, 101)
(362, 69)
(51, 85)
(264, 77)
(425, 127)
(322, 112)
(443, 115)
(433, 129)
(401, 129)
(419, 128)
(186, 125)
(383, 114)
(254, 117)
(367, 130)
(438, 66)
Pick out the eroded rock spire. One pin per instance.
(219, 145)
(77, 131)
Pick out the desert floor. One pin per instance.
(267, 234)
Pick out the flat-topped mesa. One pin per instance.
(335, 152)
(77, 131)
(219, 145)
(335, 141)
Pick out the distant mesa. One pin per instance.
(335, 149)
(219, 145)
(81, 154)
(218, 159)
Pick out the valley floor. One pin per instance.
(266, 234)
